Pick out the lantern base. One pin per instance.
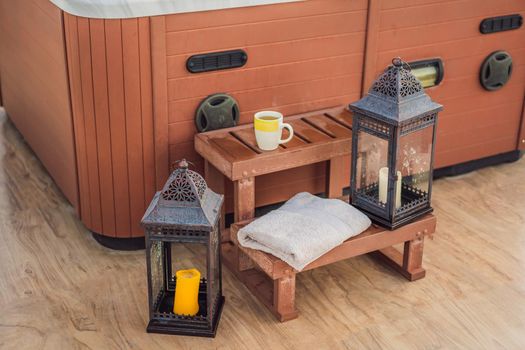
(395, 225)
(182, 327)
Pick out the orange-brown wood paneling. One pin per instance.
(301, 57)
(111, 91)
(1, 103)
(521, 139)
(77, 108)
(160, 97)
(35, 85)
(475, 123)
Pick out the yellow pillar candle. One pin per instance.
(187, 292)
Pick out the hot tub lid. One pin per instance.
(145, 8)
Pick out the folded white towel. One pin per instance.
(303, 229)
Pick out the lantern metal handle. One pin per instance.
(399, 63)
(182, 163)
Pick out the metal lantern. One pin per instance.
(394, 129)
(185, 211)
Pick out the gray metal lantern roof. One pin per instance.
(185, 202)
(396, 96)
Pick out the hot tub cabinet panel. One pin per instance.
(133, 100)
(475, 123)
(111, 96)
(521, 139)
(302, 57)
(34, 87)
(116, 100)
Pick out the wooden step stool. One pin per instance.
(232, 154)
(325, 135)
(272, 280)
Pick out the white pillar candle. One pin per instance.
(383, 186)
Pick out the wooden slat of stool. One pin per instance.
(306, 132)
(343, 117)
(234, 149)
(295, 142)
(247, 136)
(329, 126)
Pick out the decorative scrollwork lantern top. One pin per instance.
(184, 186)
(184, 200)
(397, 82)
(396, 97)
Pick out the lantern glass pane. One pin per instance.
(372, 156)
(185, 256)
(413, 163)
(214, 287)
(157, 272)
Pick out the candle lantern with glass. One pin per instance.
(394, 130)
(185, 213)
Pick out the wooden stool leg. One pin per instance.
(284, 298)
(413, 259)
(244, 199)
(408, 264)
(243, 261)
(215, 180)
(334, 177)
(244, 209)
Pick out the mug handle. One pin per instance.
(290, 129)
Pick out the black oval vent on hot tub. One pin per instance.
(500, 24)
(216, 60)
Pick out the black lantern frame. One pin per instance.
(395, 109)
(185, 211)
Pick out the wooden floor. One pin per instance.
(60, 290)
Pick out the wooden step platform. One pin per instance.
(318, 136)
(232, 153)
(273, 281)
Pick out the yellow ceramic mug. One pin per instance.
(269, 129)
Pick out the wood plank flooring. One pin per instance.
(59, 289)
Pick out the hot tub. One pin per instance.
(101, 92)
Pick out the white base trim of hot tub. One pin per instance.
(145, 8)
